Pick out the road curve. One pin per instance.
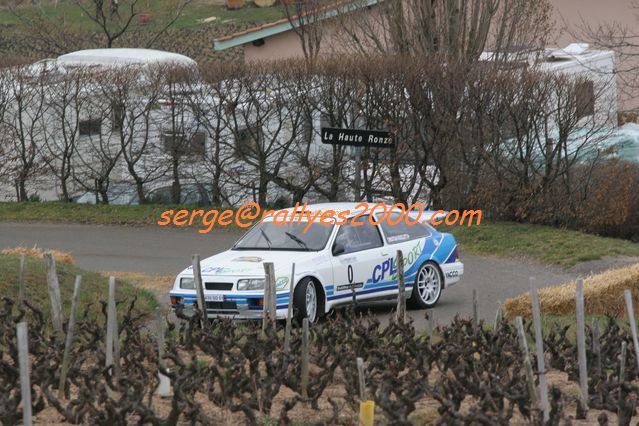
(162, 251)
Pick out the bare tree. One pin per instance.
(460, 29)
(623, 40)
(304, 17)
(97, 151)
(209, 100)
(66, 99)
(23, 124)
(132, 95)
(265, 127)
(182, 137)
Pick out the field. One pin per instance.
(197, 14)
(228, 373)
(192, 33)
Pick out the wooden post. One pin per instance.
(431, 325)
(199, 288)
(21, 291)
(541, 365)
(54, 295)
(25, 383)
(499, 316)
(596, 347)
(164, 389)
(366, 408)
(530, 378)
(269, 268)
(622, 362)
(305, 359)
(581, 343)
(633, 324)
(523, 341)
(523, 345)
(289, 312)
(112, 336)
(267, 299)
(475, 308)
(401, 299)
(622, 378)
(66, 358)
(362, 379)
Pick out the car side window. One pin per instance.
(359, 237)
(400, 231)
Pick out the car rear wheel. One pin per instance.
(428, 286)
(306, 301)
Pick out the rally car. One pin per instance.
(333, 263)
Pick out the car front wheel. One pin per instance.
(428, 286)
(306, 301)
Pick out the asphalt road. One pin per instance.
(162, 251)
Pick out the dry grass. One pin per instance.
(603, 295)
(37, 252)
(158, 283)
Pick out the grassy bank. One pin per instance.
(199, 13)
(554, 246)
(93, 290)
(81, 213)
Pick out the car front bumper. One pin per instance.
(234, 306)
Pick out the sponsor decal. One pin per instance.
(281, 282)
(452, 274)
(248, 259)
(349, 286)
(388, 268)
(396, 238)
(223, 270)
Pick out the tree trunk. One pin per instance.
(65, 191)
(176, 187)
(22, 189)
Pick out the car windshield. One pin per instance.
(272, 236)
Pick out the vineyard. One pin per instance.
(233, 373)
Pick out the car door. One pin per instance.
(414, 240)
(356, 252)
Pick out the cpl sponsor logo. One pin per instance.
(388, 268)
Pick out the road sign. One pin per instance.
(353, 137)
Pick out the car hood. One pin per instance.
(250, 263)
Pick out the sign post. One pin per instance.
(357, 138)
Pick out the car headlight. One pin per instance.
(187, 283)
(251, 284)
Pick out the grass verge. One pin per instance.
(549, 245)
(146, 214)
(93, 290)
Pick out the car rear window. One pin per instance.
(402, 231)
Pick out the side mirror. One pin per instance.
(338, 249)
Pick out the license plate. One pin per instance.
(214, 297)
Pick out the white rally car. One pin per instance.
(331, 261)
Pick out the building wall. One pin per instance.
(570, 17)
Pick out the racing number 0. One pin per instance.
(350, 274)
